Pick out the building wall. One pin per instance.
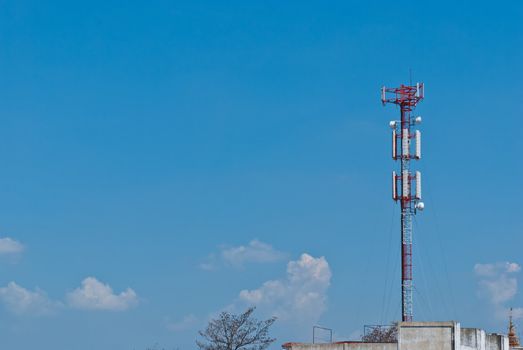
(473, 339)
(345, 346)
(477, 339)
(496, 342)
(428, 336)
(422, 336)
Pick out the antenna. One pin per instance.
(407, 97)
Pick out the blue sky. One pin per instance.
(164, 160)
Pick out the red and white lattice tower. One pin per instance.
(406, 97)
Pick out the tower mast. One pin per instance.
(406, 97)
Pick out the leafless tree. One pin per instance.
(235, 332)
(382, 334)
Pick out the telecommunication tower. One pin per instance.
(406, 97)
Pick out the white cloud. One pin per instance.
(188, 322)
(498, 283)
(492, 270)
(22, 301)
(9, 246)
(255, 252)
(500, 289)
(210, 264)
(512, 267)
(94, 295)
(300, 297)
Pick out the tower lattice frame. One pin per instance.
(406, 97)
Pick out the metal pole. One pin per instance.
(319, 327)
